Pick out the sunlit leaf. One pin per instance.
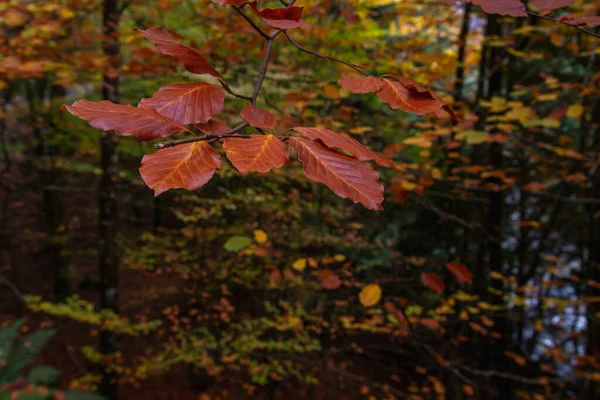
(370, 295)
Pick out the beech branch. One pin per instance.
(579, 28)
(206, 138)
(355, 67)
(252, 23)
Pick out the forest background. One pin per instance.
(474, 275)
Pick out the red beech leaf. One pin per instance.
(411, 96)
(345, 176)
(187, 103)
(433, 282)
(185, 55)
(591, 21)
(187, 166)
(258, 117)
(213, 127)
(259, 153)
(460, 272)
(513, 8)
(343, 142)
(551, 4)
(361, 85)
(329, 279)
(281, 18)
(232, 2)
(144, 123)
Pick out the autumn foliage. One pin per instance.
(466, 130)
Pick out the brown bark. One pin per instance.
(108, 257)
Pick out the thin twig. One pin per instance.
(13, 288)
(263, 71)
(228, 89)
(207, 138)
(596, 35)
(355, 67)
(252, 23)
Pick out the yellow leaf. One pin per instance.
(66, 13)
(339, 257)
(496, 275)
(409, 186)
(436, 173)
(473, 137)
(299, 264)
(547, 97)
(419, 141)
(260, 236)
(575, 111)
(359, 130)
(370, 295)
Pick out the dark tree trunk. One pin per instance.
(462, 52)
(108, 257)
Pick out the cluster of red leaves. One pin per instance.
(435, 283)
(334, 159)
(516, 8)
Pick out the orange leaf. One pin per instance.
(258, 117)
(460, 271)
(144, 123)
(551, 4)
(430, 323)
(185, 55)
(347, 177)
(187, 103)
(361, 85)
(591, 21)
(343, 142)
(410, 96)
(213, 127)
(281, 18)
(433, 282)
(468, 390)
(514, 8)
(370, 295)
(258, 153)
(188, 166)
(329, 279)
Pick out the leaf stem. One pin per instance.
(205, 138)
(596, 35)
(355, 67)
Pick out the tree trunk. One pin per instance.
(108, 258)
(462, 52)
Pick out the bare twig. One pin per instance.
(228, 89)
(355, 67)
(13, 288)
(207, 138)
(596, 35)
(263, 71)
(252, 23)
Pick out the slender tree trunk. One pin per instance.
(462, 52)
(108, 258)
(592, 269)
(52, 201)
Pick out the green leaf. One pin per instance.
(7, 338)
(24, 354)
(237, 243)
(44, 375)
